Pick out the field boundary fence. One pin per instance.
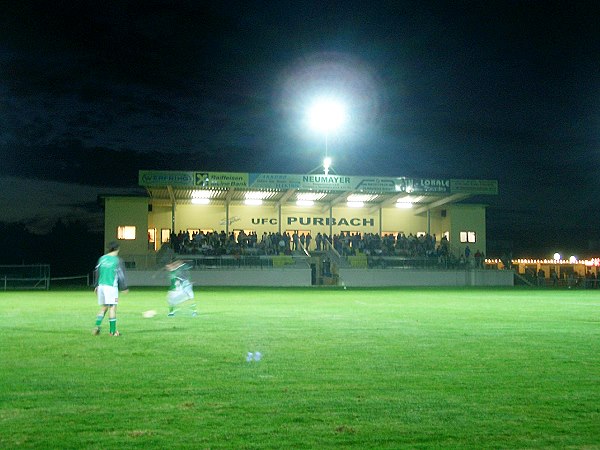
(24, 276)
(17, 277)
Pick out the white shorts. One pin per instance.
(181, 294)
(107, 295)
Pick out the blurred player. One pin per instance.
(180, 288)
(109, 279)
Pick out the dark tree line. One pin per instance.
(70, 247)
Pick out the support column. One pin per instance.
(429, 221)
(227, 218)
(173, 218)
(279, 218)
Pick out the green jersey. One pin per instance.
(109, 272)
(178, 277)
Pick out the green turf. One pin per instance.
(390, 368)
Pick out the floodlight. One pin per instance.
(327, 164)
(557, 257)
(327, 115)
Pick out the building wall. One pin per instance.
(267, 218)
(467, 218)
(350, 277)
(316, 220)
(403, 221)
(160, 217)
(127, 211)
(409, 277)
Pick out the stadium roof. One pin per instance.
(325, 190)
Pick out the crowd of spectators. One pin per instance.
(346, 244)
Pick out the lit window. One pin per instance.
(165, 235)
(126, 232)
(468, 236)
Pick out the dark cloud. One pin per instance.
(91, 92)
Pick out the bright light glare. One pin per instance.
(204, 193)
(310, 195)
(404, 205)
(253, 202)
(258, 195)
(557, 257)
(201, 201)
(327, 164)
(361, 197)
(326, 115)
(355, 204)
(573, 259)
(305, 203)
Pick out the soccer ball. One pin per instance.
(149, 314)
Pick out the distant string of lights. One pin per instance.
(571, 261)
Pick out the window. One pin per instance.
(126, 232)
(151, 238)
(468, 236)
(165, 235)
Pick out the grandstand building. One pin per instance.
(341, 211)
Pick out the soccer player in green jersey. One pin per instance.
(109, 279)
(180, 288)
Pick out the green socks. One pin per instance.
(113, 325)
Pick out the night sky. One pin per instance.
(91, 92)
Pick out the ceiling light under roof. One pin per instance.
(361, 197)
(258, 195)
(355, 204)
(205, 193)
(253, 201)
(310, 196)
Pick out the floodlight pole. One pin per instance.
(326, 166)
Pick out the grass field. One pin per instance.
(390, 368)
